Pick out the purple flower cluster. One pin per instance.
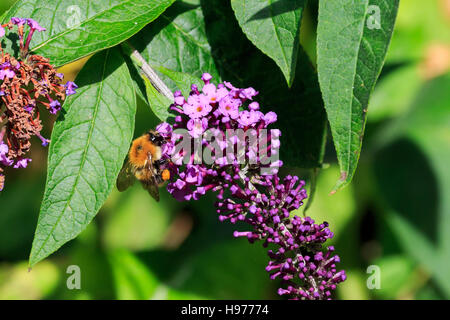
(308, 272)
(263, 201)
(26, 82)
(215, 109)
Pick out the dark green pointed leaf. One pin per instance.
(158, 102)
(274, 28)
(77, 28)
(177, 41)
(352, 40)
(89, 143)
(182, 81)
(136, 76)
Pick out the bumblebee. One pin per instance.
(145, 164)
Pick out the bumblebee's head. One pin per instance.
(155, 138)
(140, 150)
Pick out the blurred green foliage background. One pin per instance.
(395, 214)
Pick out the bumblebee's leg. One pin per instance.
(158, 179)
(162, 162)
(159, 163)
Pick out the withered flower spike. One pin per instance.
(26, 83)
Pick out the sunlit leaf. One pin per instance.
(158, 102)
(177, 41)
(77, 28)
(89, 143)
(352, 40)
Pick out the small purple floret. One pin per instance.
(22, 163)
(34, 25)
(18, 21)
(55, 106)
(70, 88)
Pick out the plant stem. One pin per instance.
(147, 70)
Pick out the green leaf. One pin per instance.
(352, 40)
(158, 102)
(301, 115)
(89, 143)
(177, 41)
(413, 176)
(136, 76)
(77, 28)
(182, 81)
(132, 279)
(274, 28)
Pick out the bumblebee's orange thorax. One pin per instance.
(140, 149)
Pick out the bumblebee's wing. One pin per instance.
(126, 177)
(151, 186)
(152, 189)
